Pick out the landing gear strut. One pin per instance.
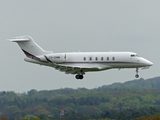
(137, 70)
(79, 76)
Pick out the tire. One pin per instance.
(137, 76)
(81, 76)
(77, 76)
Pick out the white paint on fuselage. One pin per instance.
(121, 59)
(79, 62)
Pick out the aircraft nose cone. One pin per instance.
(147, 62)
(150, 63)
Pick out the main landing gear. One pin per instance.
(79, 76)
(137, 70)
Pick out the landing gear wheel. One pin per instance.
(79, 76)
(137, 76)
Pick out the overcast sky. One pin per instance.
(76, 25)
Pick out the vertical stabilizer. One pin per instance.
(28, 46)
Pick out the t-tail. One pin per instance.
(29, 47)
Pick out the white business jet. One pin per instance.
(79, 63)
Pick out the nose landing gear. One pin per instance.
(137, 76)
(137, 70)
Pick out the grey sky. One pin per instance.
(76, 25)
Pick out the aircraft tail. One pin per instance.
(29, 47)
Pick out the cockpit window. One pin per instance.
(134, 55)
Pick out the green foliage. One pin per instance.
(130, 100)
(154, 117)
(4, 118)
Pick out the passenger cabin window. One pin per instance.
(113, 58)
(107, 58)
(101, 58)
(96, 58)
(84, 58)
(90, 58)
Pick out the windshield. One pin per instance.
(134, 55)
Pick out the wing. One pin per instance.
(79, 68)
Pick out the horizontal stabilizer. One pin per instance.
(18, 39)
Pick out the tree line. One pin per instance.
(130, 100)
